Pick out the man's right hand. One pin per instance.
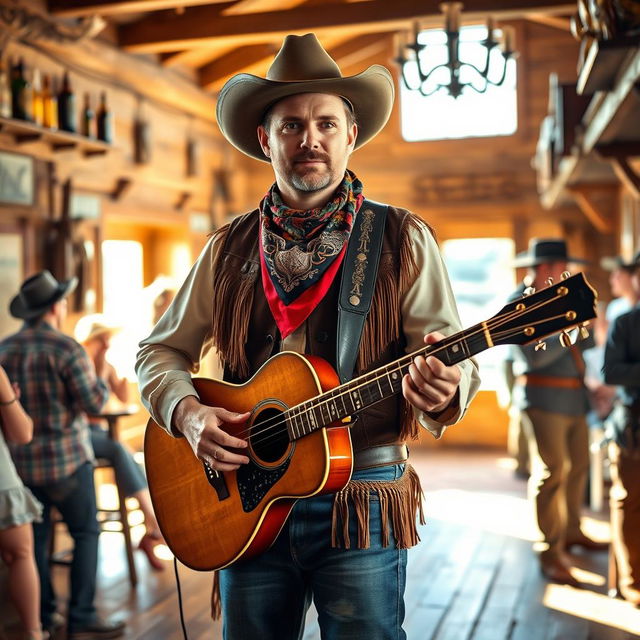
(202, 426)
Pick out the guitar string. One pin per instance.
(490, 324)
(387, 369)
(402, 362)
(255, 439)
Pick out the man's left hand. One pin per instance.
(430, 385)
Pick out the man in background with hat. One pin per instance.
(549, 390)
(269, 282)
(622, 368)
(59, 387)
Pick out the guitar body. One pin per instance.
(211, 520)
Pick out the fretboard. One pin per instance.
(366, 390)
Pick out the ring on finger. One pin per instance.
(215, 454)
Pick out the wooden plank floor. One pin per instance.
(473, 577)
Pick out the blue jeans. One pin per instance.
(128, 472)
(75, 499)
(358, 593)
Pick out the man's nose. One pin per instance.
(310, 138)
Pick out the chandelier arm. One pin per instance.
(406, 82)
(430, 93)
(497, 83)
(424, 78)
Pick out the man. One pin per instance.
(622, 367)
(625, 297)
(549, 390)
(59, 387)
(269, 283)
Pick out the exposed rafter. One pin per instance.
(233, 62)
(76, 8)
(197, 28)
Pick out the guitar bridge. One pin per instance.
(217, 481)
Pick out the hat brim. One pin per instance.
(18, 309)
(526, 260)
(245, 98)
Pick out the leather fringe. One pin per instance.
(230, 322)
(400, 504)
(216, 602)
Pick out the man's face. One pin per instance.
(552, 270)
(620, 281)
(309, 141)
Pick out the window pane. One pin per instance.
(472, 114)
(482, 280)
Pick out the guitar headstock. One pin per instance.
(560, 306)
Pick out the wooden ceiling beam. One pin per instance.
(79, 8)
(233, 62)
(557, 22)
(196, 27)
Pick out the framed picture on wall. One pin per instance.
(16, 179)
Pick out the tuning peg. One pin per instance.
(549, 281)
(528, 291)
(584, 332)
(565, 275)
(565, 339)
(541, 345)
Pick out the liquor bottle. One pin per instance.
(5, 92)
(37, 104)
(50, 104)
(88, 118)
(104, 120)
(20, 93)
(67, 119)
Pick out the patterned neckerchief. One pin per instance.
(301, 251)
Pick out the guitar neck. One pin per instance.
(360, 393)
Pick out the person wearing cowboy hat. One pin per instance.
(622, 368)
(269, 282)
(94, 333)
(59, 387)
(549, 392)
(625, 297)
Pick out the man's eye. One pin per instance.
(290, 125)
(328, 124)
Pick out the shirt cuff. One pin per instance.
(173, 387)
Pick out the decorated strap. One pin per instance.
(358, 282)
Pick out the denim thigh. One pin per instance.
(358, 592)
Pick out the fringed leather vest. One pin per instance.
(246, 336)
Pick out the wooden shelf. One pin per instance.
(602, 63)
(611, 119)
(26, 132)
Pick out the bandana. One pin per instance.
(301, 251)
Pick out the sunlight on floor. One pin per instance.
(495, 512)
(593, 606)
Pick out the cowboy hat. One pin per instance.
(301, 66)
(39, 293)
(543, 250)
(93, 326)
(611, 263)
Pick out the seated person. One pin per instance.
(95, 336)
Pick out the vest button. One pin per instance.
(245, 267)
(268, 338)
(322, 337)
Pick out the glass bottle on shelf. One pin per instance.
(49, 103)
(104, 120)
(20, 93)
(88, 118)
(67, 119)
(37, 104)
(5, 91)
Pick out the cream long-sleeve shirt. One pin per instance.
(176, 345)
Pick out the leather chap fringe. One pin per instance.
(400, 504)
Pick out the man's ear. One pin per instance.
(352, 137)
(263, 139)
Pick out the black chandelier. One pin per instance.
(455, 86)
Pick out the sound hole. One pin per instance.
(269, 437)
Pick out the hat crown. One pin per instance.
(302, 58)
(39, 289)
(548, 248)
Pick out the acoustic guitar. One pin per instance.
(299, 444)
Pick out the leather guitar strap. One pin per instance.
(358, 282)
